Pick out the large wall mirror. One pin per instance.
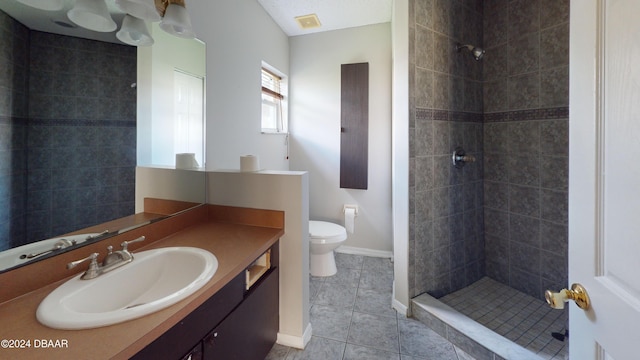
(79, 117)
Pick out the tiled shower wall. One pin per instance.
(526, 98)
(80, 135)
(447, 247)
(14, 53)
(506, 215)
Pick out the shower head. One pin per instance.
(477, 52)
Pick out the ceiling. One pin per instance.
(333, 14)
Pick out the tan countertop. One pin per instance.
(234, 245)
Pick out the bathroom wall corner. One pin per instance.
(286, 191)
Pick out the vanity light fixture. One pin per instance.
(48, 5)
(134, 31)
(176, 19)
(142, 9)
(92, 15)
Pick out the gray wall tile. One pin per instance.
(525, 229)
(496, 195)
(524, 169)
(442, 11)
(553, 266)
(424, 47)
(554, 237)
(424, 13)
(524, 91)
(495, 22)
(554, 172)
(496, 223)
(553, 12)
(523, 155)
(554, 46)
(495, 97)
(424, 173)
(424, 88)
(554, 87)
(526, 200)
(524, 257)
(554, 206)
(524, 53)
(496, 167)
(524, 17)
(554, 137)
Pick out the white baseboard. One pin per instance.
(295, 341)
(365, 252)
(399, 307)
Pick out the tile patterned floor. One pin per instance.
(520, 318)
(352, 319)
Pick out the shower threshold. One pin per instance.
(489, 326)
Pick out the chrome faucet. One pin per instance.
(120, 256)
(60, 244)
(113, 260)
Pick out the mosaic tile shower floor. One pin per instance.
(521, 318)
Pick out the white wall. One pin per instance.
(400, 35)
(239, 35)
(315, 127)
(169, 184)
(155, 85)
(286, 191)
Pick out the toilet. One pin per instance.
(324, 237)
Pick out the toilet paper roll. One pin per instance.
(249, 163)
(186, 161)
(349, 219)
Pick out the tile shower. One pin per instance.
(67, 133)
(504, 216)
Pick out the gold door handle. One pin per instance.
(577, 293)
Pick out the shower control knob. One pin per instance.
(460, 158)
(577, 293)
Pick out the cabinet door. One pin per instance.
(195, 353)
(181, 337)
(250, 330)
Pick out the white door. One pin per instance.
(604, 178)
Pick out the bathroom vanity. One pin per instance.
(235, 315)
(238, 322)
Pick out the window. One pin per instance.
(188, 109)
(273, 103)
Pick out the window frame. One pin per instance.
(278, 93)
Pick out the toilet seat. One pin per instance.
(323, 232)
(324, 238)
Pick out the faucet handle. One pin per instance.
(93, 258)
(125, 244)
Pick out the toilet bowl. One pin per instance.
(324, 237)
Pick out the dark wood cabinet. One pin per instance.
(250, 330)
(235, 323)
(195, 353)
(354, 129)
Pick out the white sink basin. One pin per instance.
(154, 280)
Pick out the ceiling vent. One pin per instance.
(308, 21)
